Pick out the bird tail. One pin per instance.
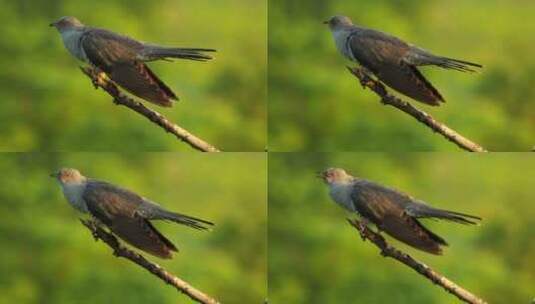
(183, 219)
(455, 64)
(457, 217)
(152, 52)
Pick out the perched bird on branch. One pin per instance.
(391, 211)
(123, 59)
(392, 60)
(124, 212)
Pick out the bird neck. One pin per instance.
(71, 40)
(340, 192)
(341, 36)
(73, 192)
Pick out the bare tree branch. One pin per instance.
(421, 116)
(426, 271)
(157, 118)
(121, 251)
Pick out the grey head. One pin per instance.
(335, 175)
(68, 176)
(338, 22)
(67, 23)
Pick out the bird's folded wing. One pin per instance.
(107, 202)
(384, 56)
(386, 208)
(374, 49)
(104, 49)
(117, 208)
(140, 233)
(375, 201)
(138, 79)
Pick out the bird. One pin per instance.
(124, 59)
(127, 214)
(392, 60)
(392, 211)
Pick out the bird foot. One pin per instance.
(94, 227)
(365, 78)
(101, 78)
(98, 77)
(363, 225)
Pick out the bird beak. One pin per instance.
(319, 175)
(53, 175)
(325, 22)
(52, 24)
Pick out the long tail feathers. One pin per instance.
(155, 53)
(457, 217)
(455, 64)
(190, 221)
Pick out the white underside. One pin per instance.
(74, 194)
(341, 194)
(71, 40)
(340, 39)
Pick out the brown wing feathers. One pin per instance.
(138, 79)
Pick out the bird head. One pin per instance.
(337, 22)
(66, 23)
(68, 176)
(335, 175)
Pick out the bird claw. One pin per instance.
(98, 77)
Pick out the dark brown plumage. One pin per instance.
(122, 59)
(128, 215)
(397, 214)
(392, 60)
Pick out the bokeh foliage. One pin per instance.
(47, 104)
(315, 256)
(316, 105)
(47, 256)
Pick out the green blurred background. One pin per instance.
(316, 105)
(315, 256)
(47, 256)
(47, 104)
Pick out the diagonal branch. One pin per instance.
(157, 118)
(121, 251)
(426, 271)
(421, 116)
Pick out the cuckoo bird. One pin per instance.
(123, 59)
(391, 211)
(392, 60)
(124, 212)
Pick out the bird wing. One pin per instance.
(117, 56)
(385, 207)
(384, 55)
(117, 209)
(374, 49)
(104, 49)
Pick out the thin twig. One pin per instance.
(421, 116)
(435, 277)
(121, 251)
(157, 118)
